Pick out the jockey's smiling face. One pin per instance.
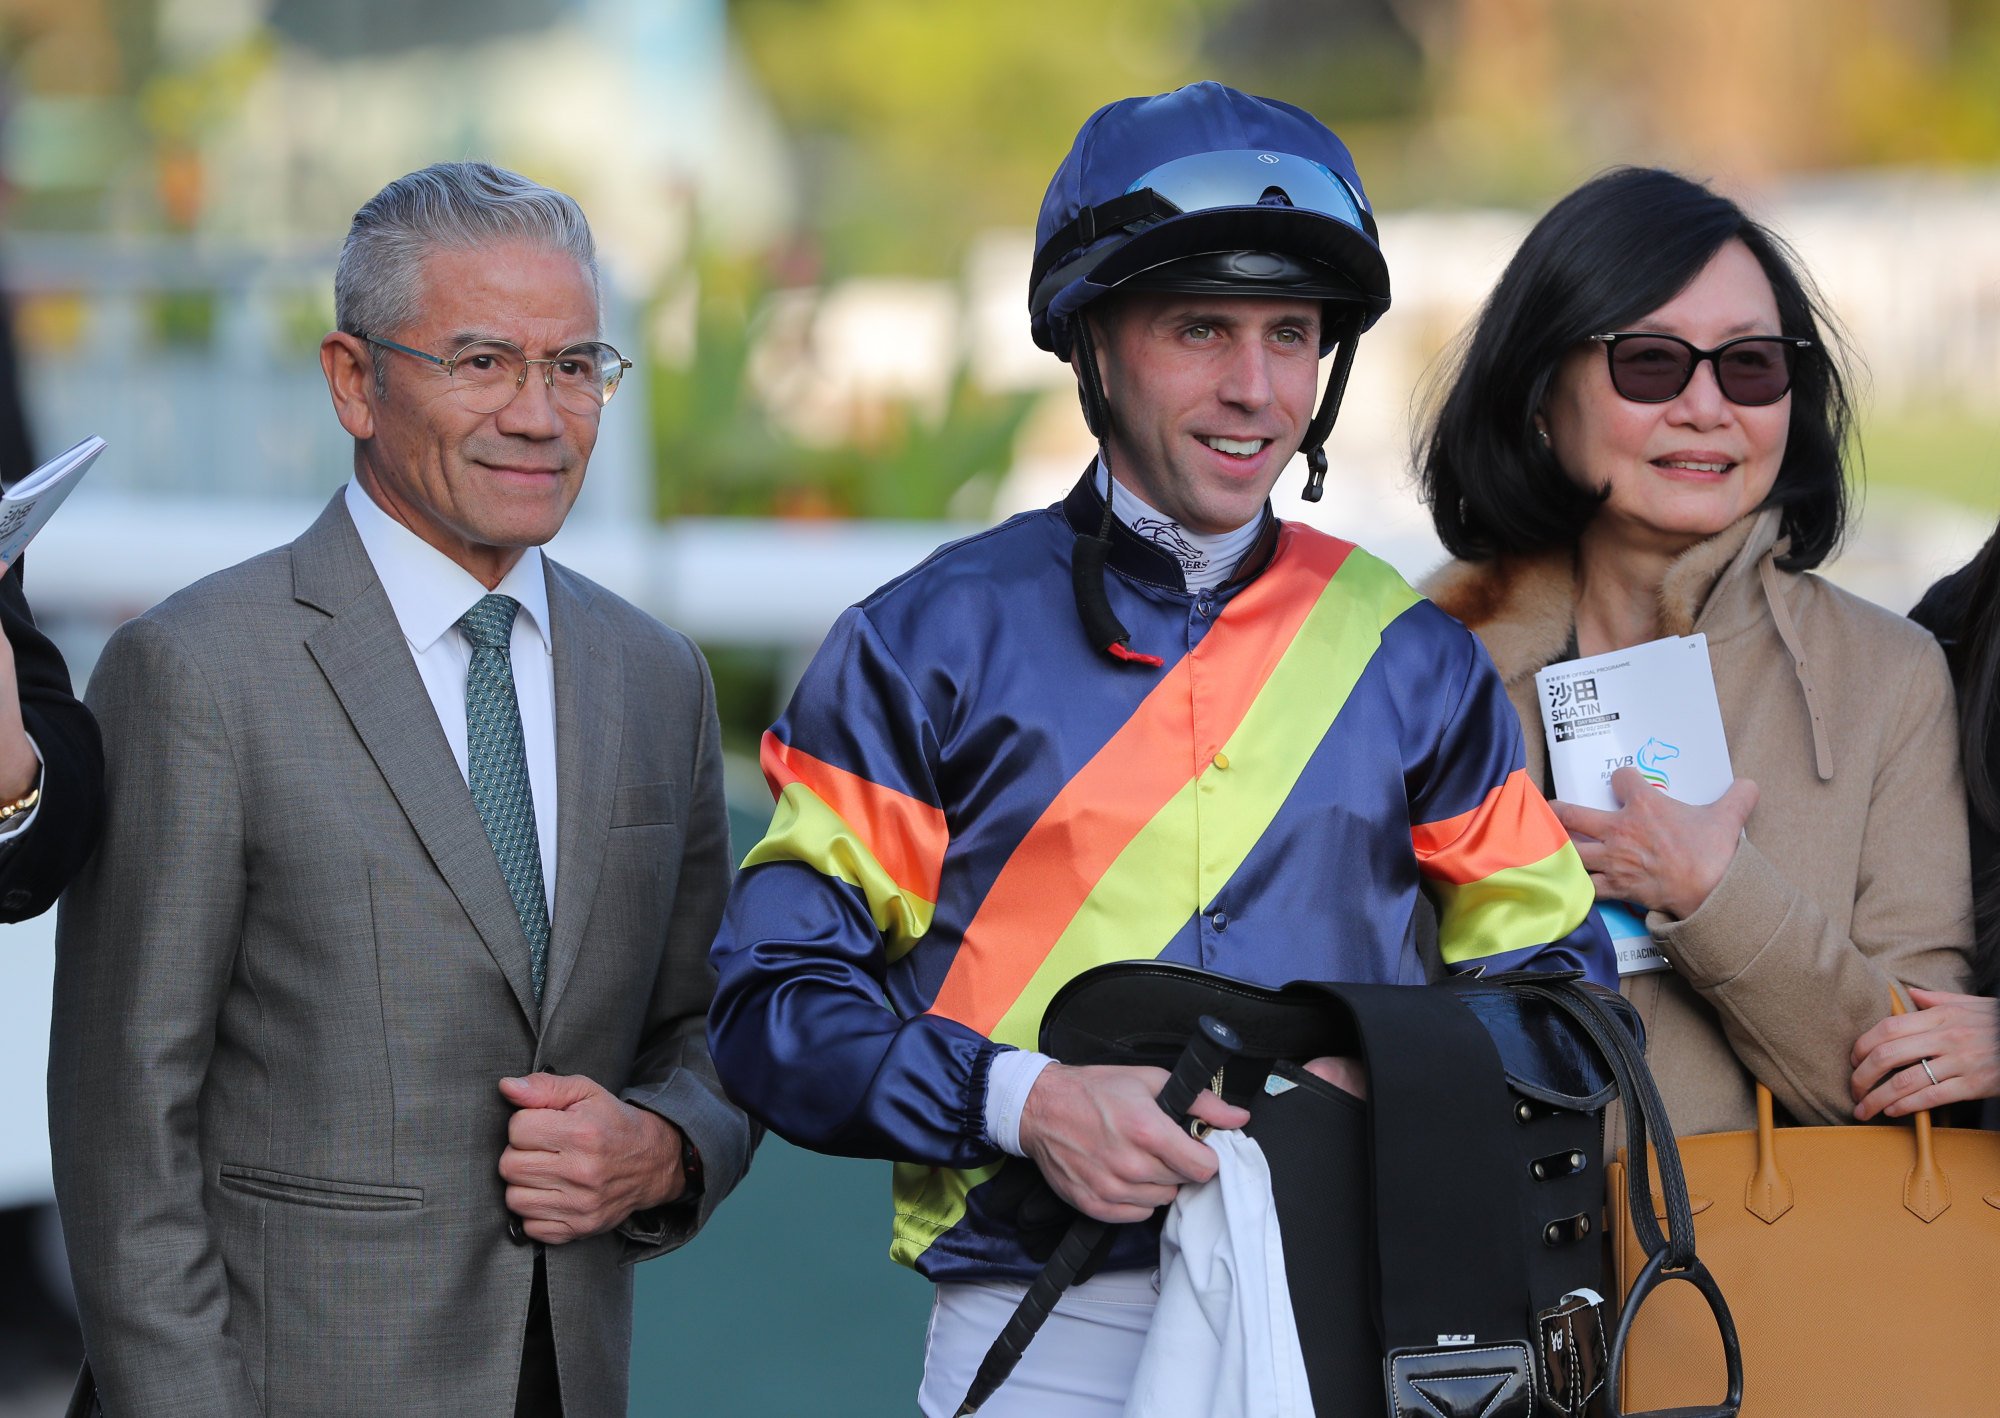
(1210, 396)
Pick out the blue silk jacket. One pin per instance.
(974, 806)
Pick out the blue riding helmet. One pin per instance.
(1215, 192)
(1153, 184)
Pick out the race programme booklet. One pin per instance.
(1652, 707)
(34, 499)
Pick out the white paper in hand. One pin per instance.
(1654, 708)
(34, 499)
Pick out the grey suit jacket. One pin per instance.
(291, 977)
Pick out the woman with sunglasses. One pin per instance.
(1645, 436)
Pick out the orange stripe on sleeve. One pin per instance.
(907, 836)
(1512, 827)
(1100, 810)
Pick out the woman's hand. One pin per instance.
(1655, 851)
(1958, 1034)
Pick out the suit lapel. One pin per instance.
(366, 660)
(590, 718)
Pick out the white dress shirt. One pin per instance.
(429, 592)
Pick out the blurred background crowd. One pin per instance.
(816, 218)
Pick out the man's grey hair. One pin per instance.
(378, 286)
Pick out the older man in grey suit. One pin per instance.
(378, 1043)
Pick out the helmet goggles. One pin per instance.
(1250, 177)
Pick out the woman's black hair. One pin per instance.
(1607, 255)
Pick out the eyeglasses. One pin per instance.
(1752, 370)
(487, 374)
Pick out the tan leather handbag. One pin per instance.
(1862, 1264)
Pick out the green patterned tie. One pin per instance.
(496, 768)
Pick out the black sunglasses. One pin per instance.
(1649, 368)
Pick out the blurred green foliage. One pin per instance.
(1948, 453)
(303, 318)
(748, 680)
(918, 122)
(923, 121)
(724, 450)
(179, 103)
(182, 319)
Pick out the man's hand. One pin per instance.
(1105, 1145)
(579, 1161)
(1664, 854)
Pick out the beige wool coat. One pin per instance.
(1854, 870)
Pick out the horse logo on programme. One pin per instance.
(1651, 756)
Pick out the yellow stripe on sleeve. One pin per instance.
(1513, 908)
(804, 829)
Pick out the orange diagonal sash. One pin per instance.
(1113, 796)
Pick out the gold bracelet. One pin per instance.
(22, 803)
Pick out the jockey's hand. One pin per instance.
(1343, 1073)
(1106, 1146)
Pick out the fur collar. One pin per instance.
(1524, 607)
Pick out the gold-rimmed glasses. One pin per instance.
(486, 374)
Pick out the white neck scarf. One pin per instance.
(1206, 559)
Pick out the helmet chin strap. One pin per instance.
(1101, 625)
(1347, 333)
(1089, 380)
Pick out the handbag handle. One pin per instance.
(1926, 1190)
(1669, 1257)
